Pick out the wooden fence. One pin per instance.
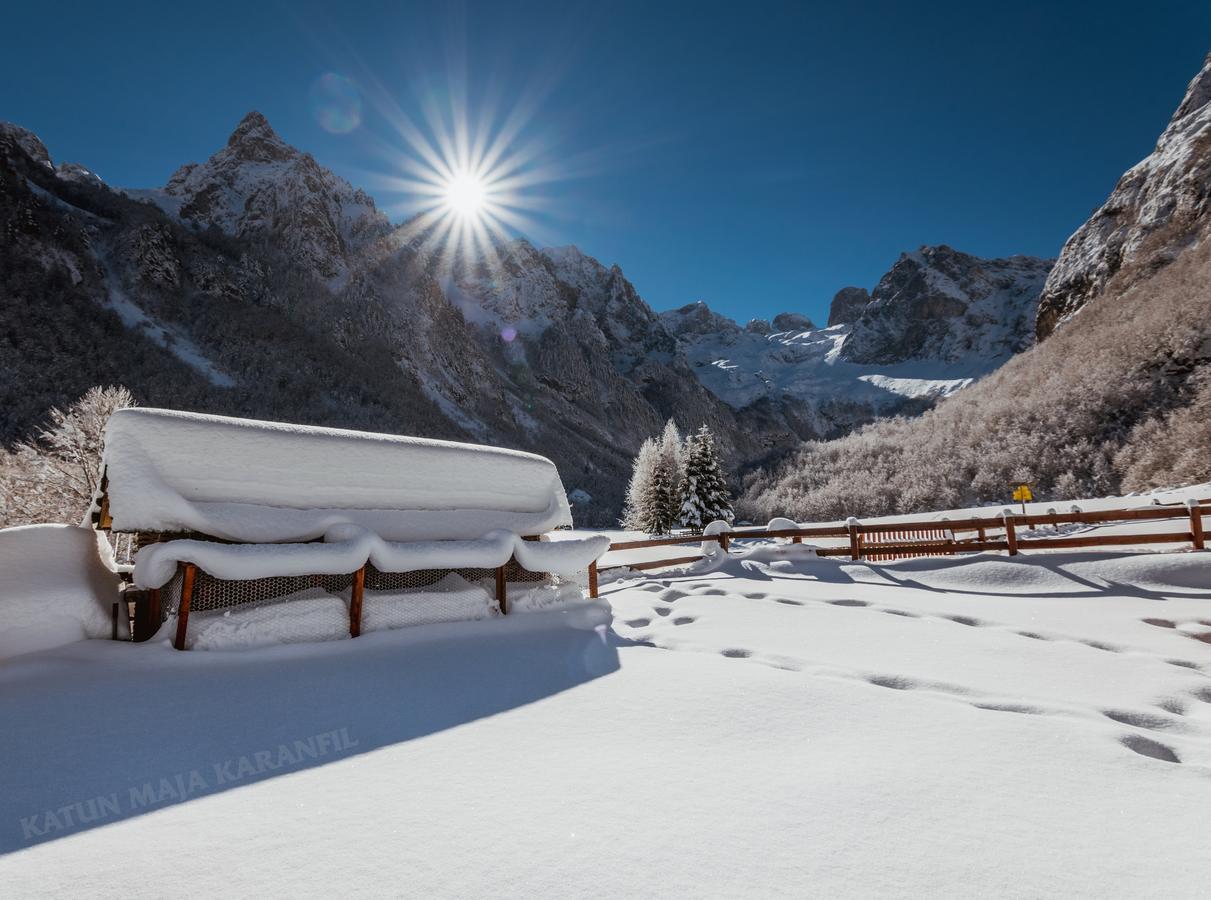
(893, 540)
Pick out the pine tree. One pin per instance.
(653, 503)
(640, 486)
(672, 474)
(705, 497)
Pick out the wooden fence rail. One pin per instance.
(892, 540)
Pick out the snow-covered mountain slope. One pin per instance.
(258, 186)
(935, 322)
(1158, 208)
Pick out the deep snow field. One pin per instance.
(774, 725)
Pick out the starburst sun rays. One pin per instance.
(467, 186)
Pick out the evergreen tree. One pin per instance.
(672, 474)
(705, 497)
(640, 486)
(653, 503)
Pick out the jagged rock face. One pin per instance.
(940, 304)
(22, 138)
(847, 306)
(788, 321)
(1158, 208)
(260, 187)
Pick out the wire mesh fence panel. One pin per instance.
(286, 609)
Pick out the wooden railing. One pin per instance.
(896, 539)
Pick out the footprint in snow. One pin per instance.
(1140, 719)
(684, 620)
(737, 653)
(848, 603)
(1010, 707)
(1148, 747)
(662, 610)
(1033, 635)
(786, 601)
(1183, 663)
(1172, 705)
(1159, 623)
(900, 612)
(1101, 645)
(965, 620)
(638, 623)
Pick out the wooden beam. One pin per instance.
(855, 546)
(593, 578)
(183, 609)
(1011, 536)
(653, 564)
(502, 591)
(1196, 528)
(355, 602)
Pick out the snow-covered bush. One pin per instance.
(53, 476)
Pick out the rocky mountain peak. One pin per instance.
(254, 140)
(939, 303)
(789, 321)
(257, 185)
(1198, 93)
(847, 305)
(26, 140)
(1158, 208)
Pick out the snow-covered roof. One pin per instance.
(250, 481)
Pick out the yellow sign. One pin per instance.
(1022, 493)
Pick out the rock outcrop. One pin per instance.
(1158, 208)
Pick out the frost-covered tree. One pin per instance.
(52, 477)
(640, 486)
(653, 502)
(705, 497)
(672, 474)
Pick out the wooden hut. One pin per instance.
(236, 517)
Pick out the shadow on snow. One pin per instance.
(97, 732)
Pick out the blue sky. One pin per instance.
(757, 156)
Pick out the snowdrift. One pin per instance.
(55, 587)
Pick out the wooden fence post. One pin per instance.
(356, 592)
(501, 591)
(1196, 525)
(1011, 536)
(724, 541)
(183, 609)
(855, 548)
(593, 578)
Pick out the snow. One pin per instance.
(767, 723)
(346, 548)
(170, 338)
(741, 367)
(55, 587)
(245, 480)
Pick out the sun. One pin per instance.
(465, 195)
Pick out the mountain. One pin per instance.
(935, 322)
(1158, 208)
(258, 283)
(1116, 398)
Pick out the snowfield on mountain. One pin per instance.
(772, 724)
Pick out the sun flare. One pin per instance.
(466, 195)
